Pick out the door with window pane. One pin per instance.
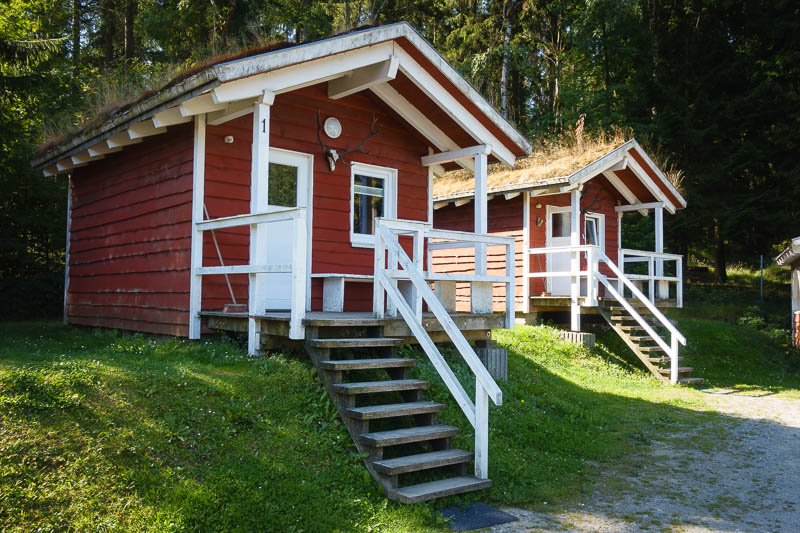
(287, 187)
(558, 234)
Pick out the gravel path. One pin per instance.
(740, 473)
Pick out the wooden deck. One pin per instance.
(473, 326)
(544, 304)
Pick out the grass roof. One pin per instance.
(116, 96)
(549, 165)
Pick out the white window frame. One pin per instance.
(600, 224)
(389, 177)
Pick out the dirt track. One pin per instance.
(739, 473)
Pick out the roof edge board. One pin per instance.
(341, 43)
(790, 254)
(544, 184)
(215, 75)
(660, 173)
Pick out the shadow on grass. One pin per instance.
(176, 435)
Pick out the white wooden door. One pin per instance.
(288, 187)
(558, 234)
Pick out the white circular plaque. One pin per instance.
(333, 128)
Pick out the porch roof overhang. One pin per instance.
(629, 157)
(789, 255)
(394, 62)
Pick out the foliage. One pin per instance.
(716, 84)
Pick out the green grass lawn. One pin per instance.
(108, 431)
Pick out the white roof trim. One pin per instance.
(216, 75)
(790, 254)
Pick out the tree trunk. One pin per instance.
(76, 35)
(506, 60)
(130, 17)
(107, 30)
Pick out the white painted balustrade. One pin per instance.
(593, 257)
(401, 267)
(297, 268)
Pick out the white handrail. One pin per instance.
(485, 386)
(644, 253)
(640, 296)
(297, 268)
(675, 335)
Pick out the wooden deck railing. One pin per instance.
(401, 266)
(297, 268)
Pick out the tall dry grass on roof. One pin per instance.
(552, 162)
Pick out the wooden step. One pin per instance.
(681, 370)
(660, 360)
(389, 385)
(394, 409)
(690, 381)
(407, 435)
(439, 489)
(631, 328)
(651, 349)
(376, 342)
(422, 461)
(361, 364)
(626, 318)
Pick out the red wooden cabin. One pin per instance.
(297, 184)
(564, 211)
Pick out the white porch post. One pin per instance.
(575, 260)
(526, 258)
(259, 185)
(481, 292)
(198, 199)
(620, 256)
(663, 286)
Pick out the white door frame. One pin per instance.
(549, 210)
(284, 157)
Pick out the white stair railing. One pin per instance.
(485, 387)
(676, 337)
(655, 272)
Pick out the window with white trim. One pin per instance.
(373, 195)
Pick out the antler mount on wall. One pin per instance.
(331, 154)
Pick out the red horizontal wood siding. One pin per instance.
(293, 126)
(129, 237)
(505, 218)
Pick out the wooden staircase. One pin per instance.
(407, 451)
(642, 344)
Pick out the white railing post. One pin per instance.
(378, 292)
(679, 283)
(198, 198)
(575, 260)
(481, 432)
(663, 286)
(591, 277)
(673, 359)
(620, 284)
(650, 281)
(296, 329)
(419, 246)
(511, 286)
(391, 308)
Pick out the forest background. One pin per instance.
(712, 85)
